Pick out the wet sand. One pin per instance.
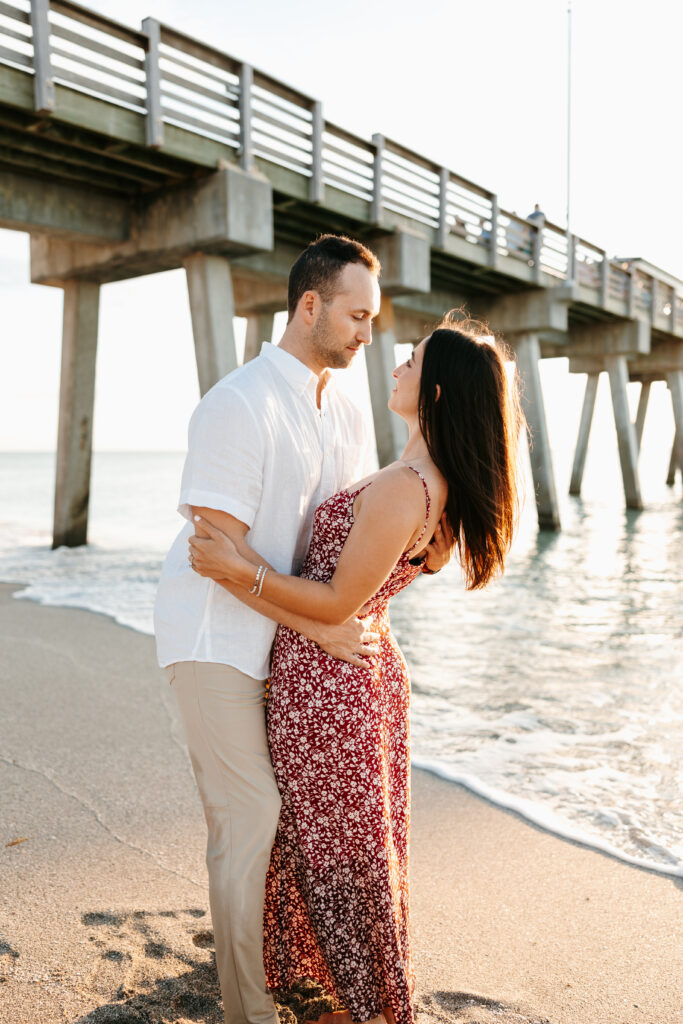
(103, 904)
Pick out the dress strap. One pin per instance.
(428, 503)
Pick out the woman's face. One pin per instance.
(405, 397)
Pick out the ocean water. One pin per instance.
(557, 692)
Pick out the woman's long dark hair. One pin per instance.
(470, 416)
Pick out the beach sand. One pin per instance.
(103, 903)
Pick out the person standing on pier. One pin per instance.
(537, 215)
(266, 445)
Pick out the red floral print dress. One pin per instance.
(337, 887)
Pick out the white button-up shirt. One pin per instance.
(260, 450)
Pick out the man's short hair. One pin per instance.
(320, 264)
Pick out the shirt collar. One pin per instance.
(296, 373)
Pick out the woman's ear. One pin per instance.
(438, 393)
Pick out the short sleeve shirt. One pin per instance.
(260, 450)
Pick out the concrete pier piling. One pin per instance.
(209, 285)
(390, 431)
(405, 259)
(528, 357)
(76, 400)
(587, 410)
(643, 400)
(626, 433)
(673, 462)
(675, 382)
(259, 329)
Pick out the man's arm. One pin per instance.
(391, 513)
(349, 642)
(440, 548)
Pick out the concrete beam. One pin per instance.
(225, 213)
(664, 358)
(621, 337)
(212, 306)
(273, 263)
(586, 364)
(644, 378)
(254, 295)
(584, 432)
(411, 327)
(430, 306)
(390, 431)
(675, 382)
(626, 435)
(644, 368)
(405, 258)
(542, 312)
(528, 356)
(76, 400)
(64, 211)
(259, 329)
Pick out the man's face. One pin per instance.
(345, 323)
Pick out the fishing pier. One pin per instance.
(125, 152)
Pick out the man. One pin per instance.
(266, 445)
(537, 214)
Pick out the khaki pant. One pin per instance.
(224, 718)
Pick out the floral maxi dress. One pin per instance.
(337, 888)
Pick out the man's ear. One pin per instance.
(309, 304)
(438, 392)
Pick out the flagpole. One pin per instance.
(570, 268)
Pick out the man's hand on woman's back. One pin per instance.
(441, 547)
(350, 642)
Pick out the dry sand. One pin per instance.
(103, 904)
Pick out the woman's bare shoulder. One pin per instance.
(396, 483)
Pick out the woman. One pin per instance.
(337, 890)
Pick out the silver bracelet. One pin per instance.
(260, 586)
(260, 573)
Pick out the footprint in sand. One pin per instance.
(11, 953)
(116, 956)
(469, 1008)
(157, 967)
(100, 917)
(154, 966)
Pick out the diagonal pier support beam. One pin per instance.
(643, 400)
(259, 329)
(528, 352)
(673, 462)
(626, 434)
(212, 305)
(675, 381)
(76, 401)
(390, 430)
(584, 432)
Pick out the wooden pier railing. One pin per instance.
(173, 79)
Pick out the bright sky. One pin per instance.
(479, 87)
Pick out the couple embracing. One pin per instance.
(289, 524)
